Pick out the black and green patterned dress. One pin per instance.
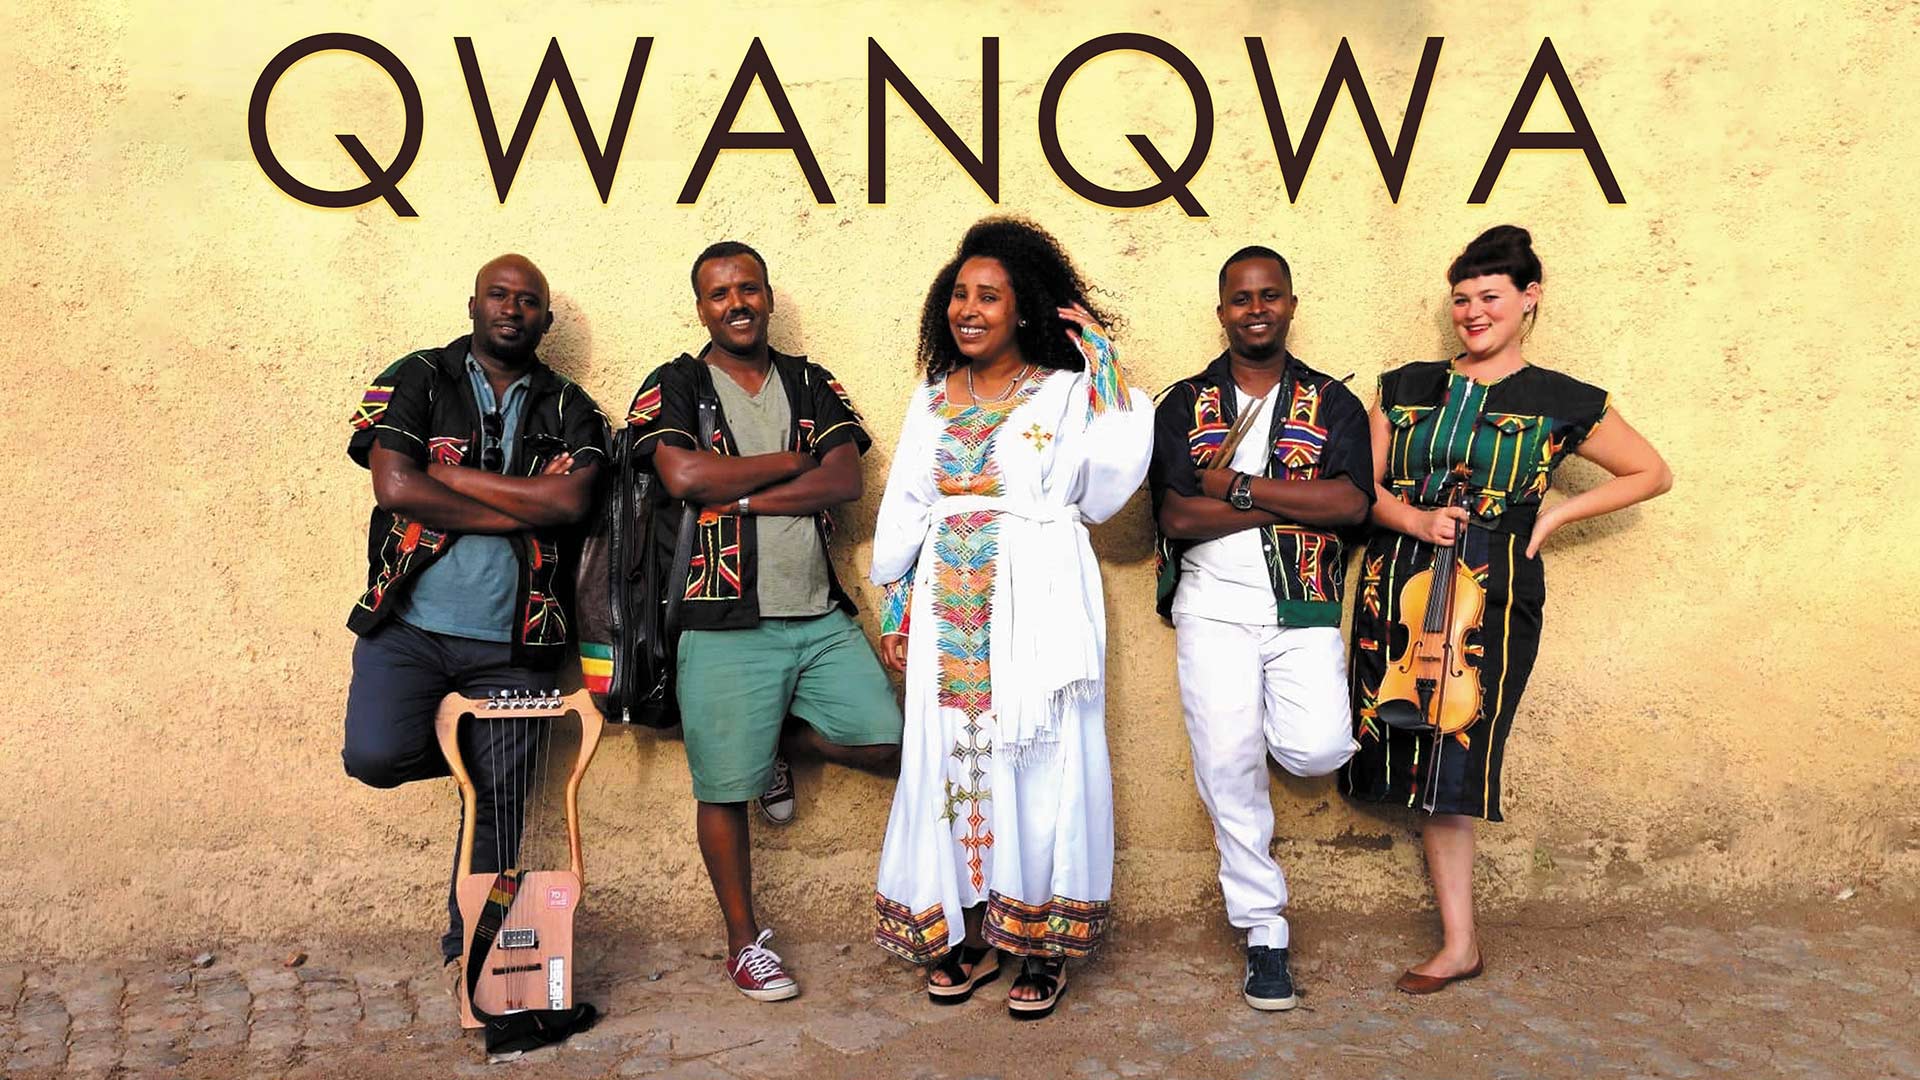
(1512, 434)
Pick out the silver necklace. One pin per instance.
(1020, 377)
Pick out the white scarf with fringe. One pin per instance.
(1042, 645)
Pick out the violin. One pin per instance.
(1429, 685)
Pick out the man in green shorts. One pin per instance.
(766, 630)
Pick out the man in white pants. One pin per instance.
(1258, 462)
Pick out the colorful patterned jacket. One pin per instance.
(422, 406)
(1318, 429)
(722, 576)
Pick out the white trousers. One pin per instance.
(1249, 691)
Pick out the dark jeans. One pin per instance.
(400, 673)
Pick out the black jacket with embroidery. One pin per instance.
(422, 406)
(1318, 430)
(722, 577)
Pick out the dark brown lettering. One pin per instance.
(1345, 71)
(382, 180)
(882, 72)
(1547, 66)
(602, 162)
(1173, 181)
(723, 137)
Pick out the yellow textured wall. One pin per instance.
(1724, 704)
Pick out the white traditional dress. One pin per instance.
(1005, 795)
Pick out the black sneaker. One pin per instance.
(778, 805)
(1269, 983)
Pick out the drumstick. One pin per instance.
(1241, 425)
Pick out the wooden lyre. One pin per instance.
(530, 962)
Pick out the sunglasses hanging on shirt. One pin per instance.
(493, 457)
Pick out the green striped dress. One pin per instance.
(1512, 434)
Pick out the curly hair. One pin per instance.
(1043, 279)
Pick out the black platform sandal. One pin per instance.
(965, 967)
(1049, 976)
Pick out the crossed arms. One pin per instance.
(790, 483)
(1209, 516)
(460, 499)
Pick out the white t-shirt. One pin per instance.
(1226, 579)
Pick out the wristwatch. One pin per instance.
(1240, 492)
(742, 506)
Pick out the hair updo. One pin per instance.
(1503, 249)
(1043, 279)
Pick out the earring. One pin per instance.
(1023, 322)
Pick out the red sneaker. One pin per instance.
(756, 972)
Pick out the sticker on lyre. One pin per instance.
(556, 982)
(556, 896)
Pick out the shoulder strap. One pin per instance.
(499, 898)
(527, 1029)
(689, 519)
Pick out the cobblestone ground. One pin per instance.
(1827, 993)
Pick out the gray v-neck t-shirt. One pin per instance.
(792, 572)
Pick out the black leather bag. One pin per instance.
(630, 587)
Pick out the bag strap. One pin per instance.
(499, 899)
(689, 519)
(527, 1029)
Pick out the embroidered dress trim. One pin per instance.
(920, 938)
(1060, 927)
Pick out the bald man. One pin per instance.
(481, 457)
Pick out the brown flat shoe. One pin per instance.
(1412, 982)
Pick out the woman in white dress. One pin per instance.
(1001, 835)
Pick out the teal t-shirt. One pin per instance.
(469, 591)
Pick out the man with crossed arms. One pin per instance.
(481, 457)
(1258, 461)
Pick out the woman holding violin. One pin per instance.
(1463, 451)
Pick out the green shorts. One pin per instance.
(737, 688)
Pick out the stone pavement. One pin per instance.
(1828, 992)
